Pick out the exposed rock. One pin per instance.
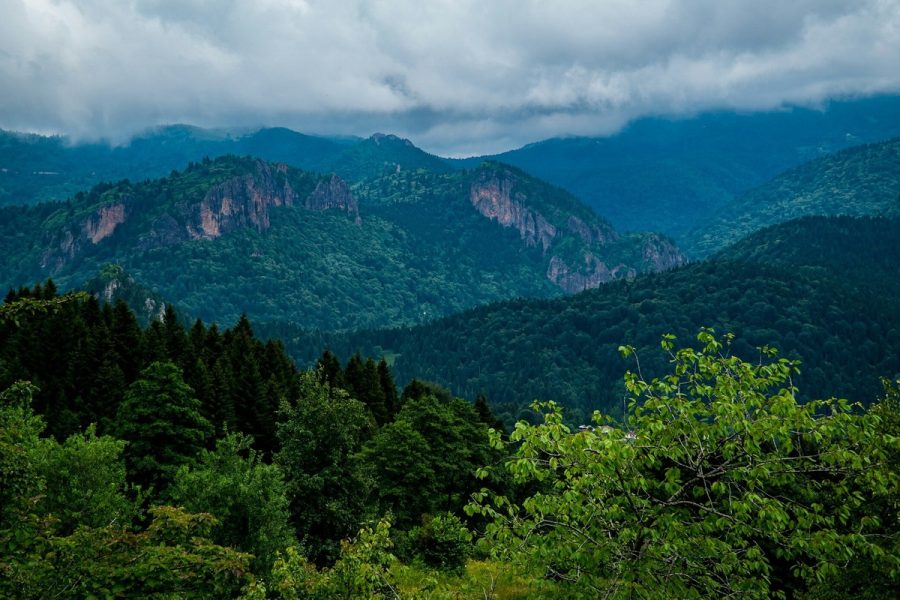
(239, 202)
(103, 222)
(64, 244)
(109, 290)
(661, 254)
(333, 193)
(594, 274)
(493, 198)
(245, 202)
(588, 234)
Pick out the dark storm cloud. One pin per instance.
(456, 76)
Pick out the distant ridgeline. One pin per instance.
(860, 181)
(672, 175)
(241, 235)
(836, 310)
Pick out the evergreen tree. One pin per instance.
(161, 421)
(329, 370)
(220, 406)
(126, 337)
(486, 415)
(388, 388)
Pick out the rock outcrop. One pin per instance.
(593, 273)
(242, 201)
(103, 222)
(493, 198)
(660, 253)
(494, 195)
(333, 194)
(245, 202)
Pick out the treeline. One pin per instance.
(119, 425)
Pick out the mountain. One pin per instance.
(381, 154)
(235, 235)
(669, 175)
(36, 168)
(862, 251)
(859, 181)
(847, 335)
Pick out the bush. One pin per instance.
(445, 543)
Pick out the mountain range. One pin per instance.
(379, 247)
(671, 175)
(241, 235)
(658, 174)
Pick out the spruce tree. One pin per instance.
(161, 421)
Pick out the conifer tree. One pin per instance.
(161, 421)
(329, 369)
(388, 388)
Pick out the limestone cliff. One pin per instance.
(659, 253)
(591, 274)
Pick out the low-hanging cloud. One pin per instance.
(456, 76)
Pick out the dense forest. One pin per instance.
(834, 310)
(859, 181)
(199, 463)
(217, 421)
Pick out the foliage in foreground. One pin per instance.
(724, 487)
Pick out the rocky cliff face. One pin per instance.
(593, 273)
(660, 253)
(64, 244)
(333, 194)
(493, 198)
(238, 202)
(245, 202)
(103, 222)
(494, 195)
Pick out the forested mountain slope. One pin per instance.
(860, 181)
(862, 251)
(669, 175)
(846, 334)
(35, 168)
(239, 235)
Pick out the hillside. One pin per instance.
(863, 251)
(35, 168)
(565, 349)
(239, 235)
(669, 175)
(858, 181)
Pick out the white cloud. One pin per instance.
(455, 76)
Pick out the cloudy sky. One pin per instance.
(457, 77)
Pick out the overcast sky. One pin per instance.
(457, 77)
